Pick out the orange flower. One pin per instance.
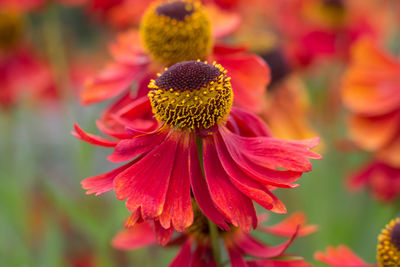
(371, 91)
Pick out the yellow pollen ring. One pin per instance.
(170, 41)
(387, 253)
(193, 109)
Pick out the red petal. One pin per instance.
(104, 182)
(202, 257)
(244, 183)
(263, 173)
(200, 189)
(145, 185)
(279, 263)
(178, 205)
(236, 258)
(92, 139)
(139, 236)
(273, 153)
(341, 256)
(222, 22)
(289, 226)
(254, 248)
(111, 82)
(163, 236)
(232, 203)
(250, 77)
(130, 148)
(184, 256)
(248, 124)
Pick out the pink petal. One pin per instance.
(104, 182)
(145, 184)
(279, 263)
(139, 236)
(200, 189)
(178, 204)
(92, 139)
(232, 203)
(130, 148)
(184, 256)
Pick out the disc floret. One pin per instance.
(388, 249)
(191, 95)
(176, 31)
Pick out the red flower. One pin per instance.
(236, 242)
(137, 58)
(382, 179)
(371, 90)
(242, 162)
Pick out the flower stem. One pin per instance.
(214, 236)
(215, 242)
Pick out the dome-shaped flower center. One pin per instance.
(191, 95)
(388, 249)
(176, 31)
(10, 29)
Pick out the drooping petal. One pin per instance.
(341, 256)
(236, 258)
(104, 182)
(112, 81)
(200, 189)
(260, 169)
(92, 139)
(202, 257)
(178, 206)
(272, 153)
(250, 77)
(289, 226)
(248, 124)
(184, 256)
(231, 202)
(244, 183)
(251, 246)
(128, 149)
(163, 236)
(139, 236)
(145, 184)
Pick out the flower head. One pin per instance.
(241, 161)
(175, 31)
(388, 249)
(191, 95)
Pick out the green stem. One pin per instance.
(214, 236)
(215, 242)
